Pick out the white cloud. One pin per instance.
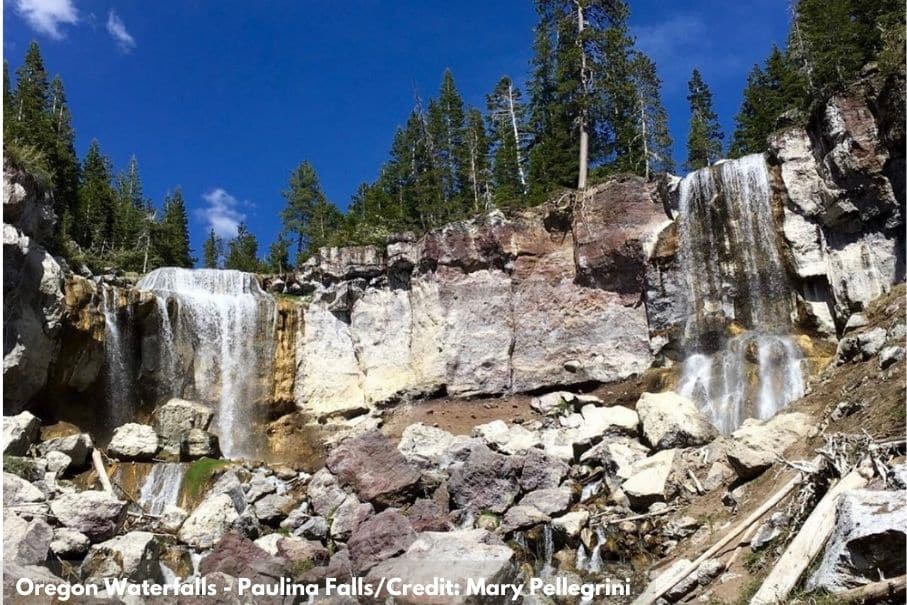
(220, 213)
(117, 30)
(46, 16)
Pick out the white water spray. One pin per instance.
(162, 487)
(730, 255)
(118, 391)
(225, 323)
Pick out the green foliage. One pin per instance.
(242, 251)
(30, 160)
(278, 260)
(212, 250)
(172, 234)
(704, 143)
(199, 475)
(770, 91)
(650, 149)
(508, 142)
(309, 217)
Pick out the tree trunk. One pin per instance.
(584, 109)
(516, 137)
(645, 135)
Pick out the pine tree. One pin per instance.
(704, 143)
(173, 239)
(8, 111)
(62, 159)
(446, 127)
(95, 227)
(278, 260)
(478, 166)
(508, 140)
(132, 207)
(212, 250)
(242, 251)
(309, 218)
(650, 152)
(32, 124)
(769, 92)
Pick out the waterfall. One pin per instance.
(736, 280)
(118, 391)
(225, 324)
(162, 487)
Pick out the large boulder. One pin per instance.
(552, 501)
(209, 522)
(325, 493)
(541, 471)
(426, 446)
(383, 536)
(25, 542)
(19, 432)
(458, 557)
(173, 420)
(96, 514)
(868, 543)
(133, 441)
(18, 491)
(238, 556)
(650, 480)
(68, 543)
(507, 439)
(133, 556)
(670, 420)
(373, 467)
(756, 445)
(348, 516)
(485, 480)
(78, 447)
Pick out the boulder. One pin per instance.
(373, 467)
(272, 507)
(200, 443)
(425, 446)
(172, 518)
(133, 556)
(868, 542)
(509, 440)
(571, 524)
(541, 471)
(670, 420)
(520, 517)
(861, 346)
(96, 514)
(486, 480)
(68, 543)
(19, 433)
(616, 456)
(348, 516)
(300, 552)
(238, 556)
(428, 515)
(757, 444)
(614, 420)
(557, 402)
(209, 522)
(25, 542)
(383, 536)
(890, 356)
(457, 556)
(78, 447)
(260, 485)
(649, 480)
(324, 493)
(18, 491)
(553, 501)
(269, 543)
(133, 441)
(57, 462)
(315, 528)
(173, 420)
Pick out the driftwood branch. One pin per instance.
(658, 589)
(806, 545)
(895, 588)
(101, 471)
(663, 511)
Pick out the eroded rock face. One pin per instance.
(374, 468)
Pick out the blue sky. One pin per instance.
(224, 98)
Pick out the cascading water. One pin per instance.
(162, 487)
(224, 323)
(118, 391)
(730, 255)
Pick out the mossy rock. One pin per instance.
(198, 477)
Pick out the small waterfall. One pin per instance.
(547, 547)
(162, 487)
(596, 565)
(167, 355)
(118, 391)
(590, 490)
(225, 323)
(730, 255)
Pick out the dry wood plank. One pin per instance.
(657, 589)
(806, 545)
(875, 592)
(101, 471)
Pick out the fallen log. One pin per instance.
(657, 589)
(806, 545)
(101, 471)
(893, 588)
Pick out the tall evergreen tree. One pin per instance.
(8, 111)
(477, 160)
(506, 115)
(32, 124)
(650, 151)
(62, 158)
(769, 92)
(212, 250)
(133, 210)
(309, 218)
(97, 215)
(704, 143)
(278, 260)
(446, 128)
(242, 251)
(173, 238)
